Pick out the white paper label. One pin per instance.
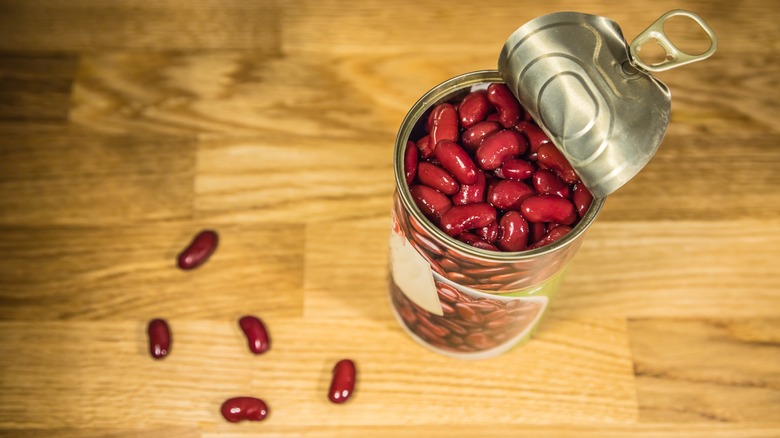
(413, 275)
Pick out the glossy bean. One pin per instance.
(411, 156)
(256, 334)
(431, 203)
(471, 193)
(516, 169)
(342, 385)
(159, 338)
(548, 208)
(553, 235)
(425, 147)
(473, 136)
(489, 233)
(498, 147)
(512, 232)
(536, 230)
(244, 409)
(457, 161)
(509, 195)
(444, 124)
(474, 108)
(547, 182)
(462, 218)
(536, 137)
(199, 250)
(437, 178)
(506, 104)
(582, 198)
(550, 156)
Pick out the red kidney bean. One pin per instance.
(480, 341)
(496, 314)
(159, 338)
(582, 198)
(536, 230)
(425, 146)
(457, 161)
(512, 232)
(199, 250)
(447, 293)
(548, 208)
(493, 118)
(473, 136)
(505, 103)
(499, 146)
(244, 409)
(468, 313)
(427, 244)
(489, 233)
(515, 169)
(547, 182)
(343, 383)
(553, 235)
(476, 241)
(509, 195)
(256, 334)
(447, 309)
(410, 162)
(471, 193)
(449, 265)
(474, 108)
(436, 330)
(536, 137)
(461, 218)
(437, 178)
(550, 156)
(444, 124)
(431, 203)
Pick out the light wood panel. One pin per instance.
(580, 369)
(136, 24)
(59, 175)
(127, 126)
(680, 269)
(130, 273)
(722, 370)
(35, 87)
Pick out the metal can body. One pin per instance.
(451, 297)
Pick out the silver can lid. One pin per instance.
(592, 94)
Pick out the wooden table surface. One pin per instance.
(126, 126)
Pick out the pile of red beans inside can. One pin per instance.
(242, 408)
(487, 175)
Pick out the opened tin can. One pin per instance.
(575, 75)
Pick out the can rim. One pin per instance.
(434, 96)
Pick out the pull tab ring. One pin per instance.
(674, 56)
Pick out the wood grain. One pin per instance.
(35, 87)
(722, 370)
(92, 178)
(104, 372)
(680, 269)
(127, 126)
(93, 24)
(129, 273)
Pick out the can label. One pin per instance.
(412, 274)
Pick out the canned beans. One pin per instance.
(476, 324)
(487, 175)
